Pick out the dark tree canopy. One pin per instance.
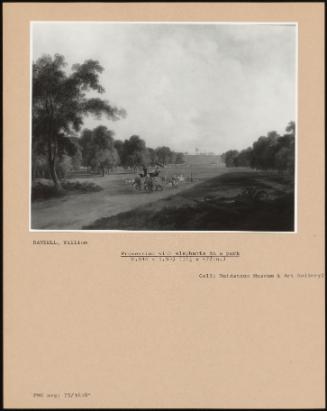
(60, 103)
(271, 152)
(164, 154)
(98, 149)
(135, 152)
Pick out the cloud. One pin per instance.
(209, 86)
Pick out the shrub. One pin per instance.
(45, 189)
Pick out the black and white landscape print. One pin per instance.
(163, 126)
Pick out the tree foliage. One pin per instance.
(61, 99)
(229, 157)
(60, 102)
(98, 149)
(271, 152)
(135, 153)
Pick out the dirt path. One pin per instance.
(74, 211)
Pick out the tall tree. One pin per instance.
(135, 153)
(86, 142)
(290, 128)
(229, 157)
(60, 102)
(98, 149)
(244, 158)
(164, 154)
(105, 154)
(264, 150)
(119, 146)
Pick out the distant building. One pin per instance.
(211, 159)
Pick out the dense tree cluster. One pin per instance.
(100, 151)
(60, 101)
(271, 152)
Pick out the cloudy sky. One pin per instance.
(208, 86)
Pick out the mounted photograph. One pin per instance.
(163, 126)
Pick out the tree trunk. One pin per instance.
(52, 152)
(54, 176)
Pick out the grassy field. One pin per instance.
(76, 209)
(235, 201)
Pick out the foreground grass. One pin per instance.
(219, 203)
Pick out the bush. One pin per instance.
(84, 187)
(45, 189)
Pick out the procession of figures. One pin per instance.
(150, 181)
